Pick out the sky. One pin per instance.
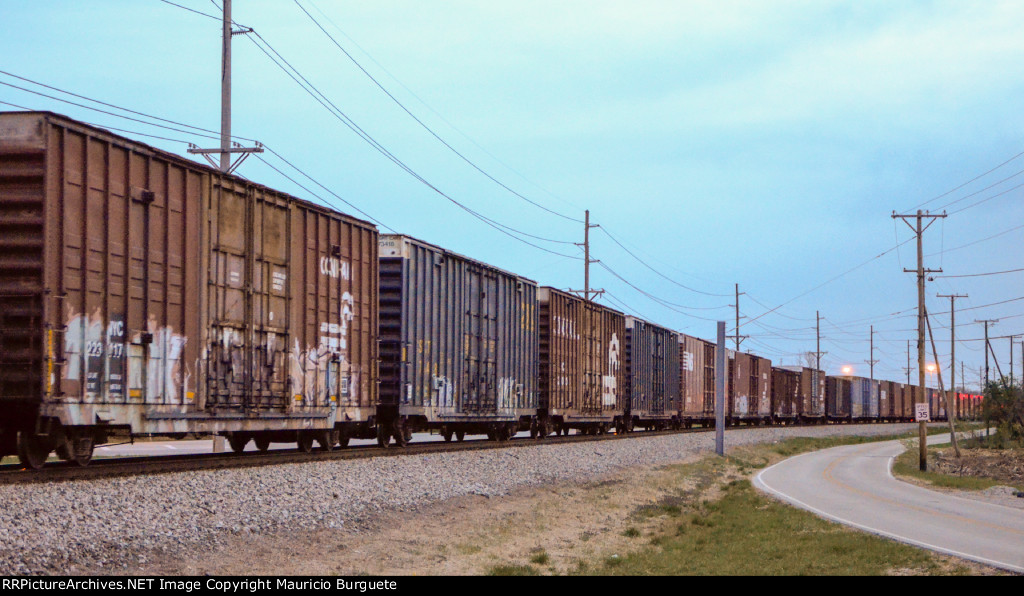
(765, 143)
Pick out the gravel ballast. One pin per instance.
(114, 525)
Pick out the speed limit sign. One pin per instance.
(921, 413)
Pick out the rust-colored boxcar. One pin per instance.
(798, 393)
(886, 400)
(652, 370)
(749, 388)
(838, 395)
(143, 293)
(582, 376)
(786, 398)
(696, 380)
(458, 344)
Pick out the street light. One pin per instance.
(847, 370)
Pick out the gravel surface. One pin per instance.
(89, 526)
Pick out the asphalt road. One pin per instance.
(854, 485)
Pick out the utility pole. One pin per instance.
(226, 149)
(1012, 358)
(952, 336)
(987, 322)
(919, 230)
(908, 368)
(737, 338)
(871, 361)
(817, 331)
(587, 294)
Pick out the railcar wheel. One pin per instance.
(383, 436)
(262, 442)
(447, 434)
(33, 450)
(401, 433)
(76, 448)
(326, 440)
(343, 440)
(305, 442)
(460, 435)
(238, 441)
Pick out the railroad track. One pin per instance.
(164, 464)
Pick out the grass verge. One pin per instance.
(720, 525)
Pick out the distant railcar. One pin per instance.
(652, 370)
(582, 369)
(696, 381)
(749, 388)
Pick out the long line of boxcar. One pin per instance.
(142, 293)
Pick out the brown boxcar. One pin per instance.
(749, 388)
(838, 395)
(786, 398)
(582, 378)
(458, 344)
(696, 380)
(886, 400)
(143, 293)
(652, 370)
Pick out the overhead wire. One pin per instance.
(327, 104)
(424, 125)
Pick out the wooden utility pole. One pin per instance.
(871, 361)
(986, 322)
(919, 229)
(952, 336)
(908, 368)
(817, 331)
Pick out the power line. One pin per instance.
(644, 263)
(424, 125)
(979, 274)
(351, 124)
(979, 176)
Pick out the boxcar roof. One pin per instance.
(140, 147)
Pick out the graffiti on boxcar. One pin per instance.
(445, 393)
(325, 369)
(609, 382)
(613, 354)
(96, 354)
(508, 393)
(565, 327)
(688, 361)
(335, 268)
(164, 367)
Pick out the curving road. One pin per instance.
(854, 485)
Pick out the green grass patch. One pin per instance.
(745, 533)
(540, 557)
(908, 464)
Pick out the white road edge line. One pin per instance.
(762, 485)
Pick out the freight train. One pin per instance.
(142, 293)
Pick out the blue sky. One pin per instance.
(764, 143)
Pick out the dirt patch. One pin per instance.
(547, 530)
(554, 529)
(1004, 465)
